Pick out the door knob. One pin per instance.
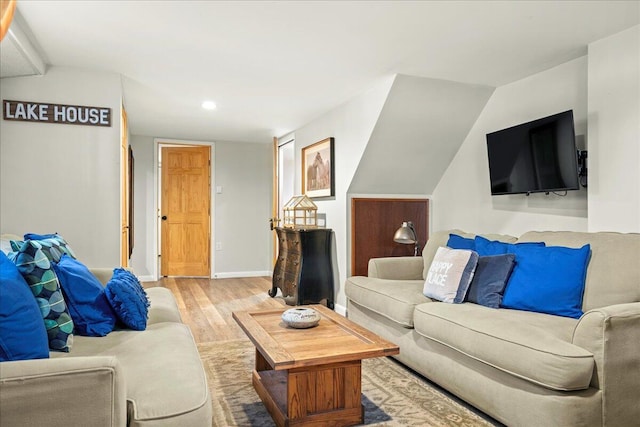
(273, 223)
(164, 217)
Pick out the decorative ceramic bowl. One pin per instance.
(301, 318)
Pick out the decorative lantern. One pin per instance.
(300, 213)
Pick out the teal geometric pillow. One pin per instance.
(37, 270)
(53, 247)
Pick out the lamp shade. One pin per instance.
(406, 234)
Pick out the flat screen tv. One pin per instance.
(534, 157)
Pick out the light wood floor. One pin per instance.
(206, 305)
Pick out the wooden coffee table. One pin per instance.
(311, 376)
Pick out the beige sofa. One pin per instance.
(127, 378)
(522, 368)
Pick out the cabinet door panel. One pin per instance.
(303, 270)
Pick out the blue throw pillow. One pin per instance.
(490, 279)
(458, 242)
(486, 247)
(128, 298)
(22, 332)
(85, 296)
(548, 280)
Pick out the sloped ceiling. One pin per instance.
(421, 127)
(18, 56)
(275, 66)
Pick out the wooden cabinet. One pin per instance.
(374, 221)
(303, 271)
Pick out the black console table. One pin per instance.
(303, 270)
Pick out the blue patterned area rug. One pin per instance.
(391, 394)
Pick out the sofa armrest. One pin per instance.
(612, 334)
(61, 392)
(105, 274)
(396, 268)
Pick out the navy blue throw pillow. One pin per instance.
(89, 308)
(490, 280)
(128, 298)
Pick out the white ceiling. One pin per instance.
(272, 67)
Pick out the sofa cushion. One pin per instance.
(163, 307)
(532, 346)
(22, 332)
(548, 280)
(614, 271)
(490, 279)
(88, 305)
(393, 299)
(38, 272)
(450, 274)
(162, 367)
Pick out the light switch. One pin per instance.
(219, 189)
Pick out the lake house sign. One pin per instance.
(56, 113)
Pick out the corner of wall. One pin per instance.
(462, 198)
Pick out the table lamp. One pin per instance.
(407, 235)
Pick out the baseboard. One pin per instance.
(221, 275)
(242, 274)
(340, 309)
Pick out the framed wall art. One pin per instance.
(318, 169)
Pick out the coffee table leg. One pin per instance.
(329, 393)
(261, 363)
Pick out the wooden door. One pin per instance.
(185, 211)
(125, 193)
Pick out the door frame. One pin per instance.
(276, 213)
(126, 198)
(275, 197)
(157, 144)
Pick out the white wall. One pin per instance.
(421, 127)
(463, 198)
(351, 125)
(614, 132)
(241, 212)
(64, 178)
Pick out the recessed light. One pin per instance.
(209, 105)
